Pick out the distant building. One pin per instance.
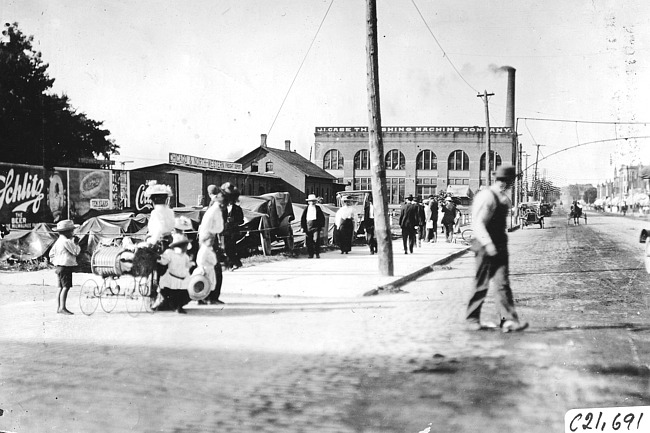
(419, 160)
(301, 176)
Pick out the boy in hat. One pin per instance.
(490, 210)
(63, 255)
(312, 222)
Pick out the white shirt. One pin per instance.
(212, 223)
(346, 212)
(311, 212)
(161, 222)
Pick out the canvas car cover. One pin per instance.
(27, 244)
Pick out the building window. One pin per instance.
(426, 186)
(362, 183)
(333, 160)
(395, 187)
(495, 159)
(458, 181)
(458, 160)
(362, 160)
(269, 166)
(395, 160)
(427, 160)
(254, 167)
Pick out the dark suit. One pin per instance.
(408, 220)
(312, 229)
(369, 227)
(231, 234)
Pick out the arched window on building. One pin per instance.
(427, 160)
(495, 160)
(333, 160)
(362, 160)
(395, 160)
(458, 160)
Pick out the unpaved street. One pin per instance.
(391, 363)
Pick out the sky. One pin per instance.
(208, 77)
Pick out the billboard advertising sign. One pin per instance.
(88, 189)
(30, 195)
(138, 182)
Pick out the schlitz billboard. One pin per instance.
(138, 182)
(31, 195)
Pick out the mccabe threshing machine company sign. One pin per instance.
(197, 162)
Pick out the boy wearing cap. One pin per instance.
(63, 255)
(490, 210)
(312, 222)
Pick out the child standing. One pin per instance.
(63, 255)
(173, 283)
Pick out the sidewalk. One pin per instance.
(333, 275)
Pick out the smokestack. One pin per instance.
(263, 144)
(287, 145)
(510, 101)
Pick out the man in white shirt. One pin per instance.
(490, 210)
(312, 222)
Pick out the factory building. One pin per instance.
(419, 160)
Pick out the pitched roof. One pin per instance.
(295, 159)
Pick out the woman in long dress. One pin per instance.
(344, 221)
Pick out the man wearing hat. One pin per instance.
(490, 211)
(63, 255)
(312, 222)
(408, 221)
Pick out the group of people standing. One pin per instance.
(419, 220)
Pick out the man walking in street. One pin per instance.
(312, 222)
(490, 210)
(408, 220)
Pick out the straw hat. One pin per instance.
(199, 287)
(182, 223)
(65, 226)
(178, 239)
(312, 197)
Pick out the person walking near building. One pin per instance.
(209, 234)
(408, 220)
(344, 221)
(312, 222)
(432, 219)
(450, 212)
(369, 224)
(234, 220)
(490, 211)
(421, 221)
(63, 255)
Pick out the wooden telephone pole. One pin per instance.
(488, 167)
(376, 146)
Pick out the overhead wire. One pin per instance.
(300, 67)
(445, 55)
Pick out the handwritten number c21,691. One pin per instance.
(600, 424)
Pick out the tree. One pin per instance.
(590, 195)
(38, 127)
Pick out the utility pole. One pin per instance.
(488, 167)
(526, 176)
(376, 146)
(535, 186)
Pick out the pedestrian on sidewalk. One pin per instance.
(432, 219)
(63, 255)
(344, 221)
(234, 221)
(369, 224)
(421, 220)
(490, 211)
(450, 213)
(408, 220)
(312, 222)
(210, 234)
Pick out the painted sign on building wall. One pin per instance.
(138, 183)
(31, 195)
(197, 162)
(415, 129)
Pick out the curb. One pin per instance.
(394, 287)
